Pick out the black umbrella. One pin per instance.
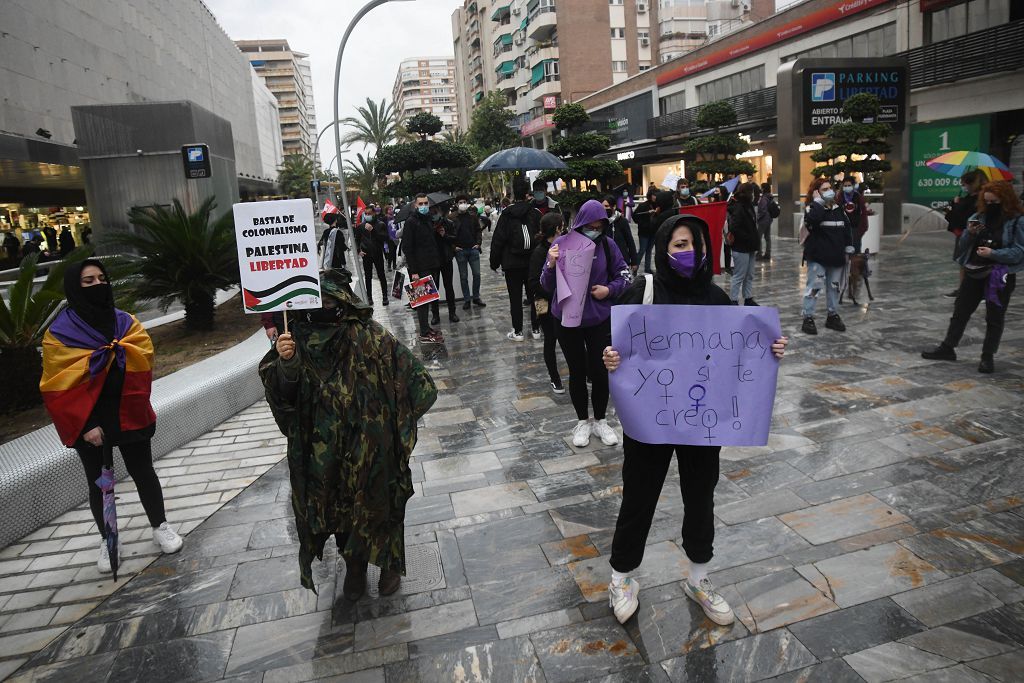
(438, 198)
(403, 213)
(521, 159)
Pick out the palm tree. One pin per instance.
(186, 257)
(377, 125)
(295, 174)
(456, 136)
(361, 174)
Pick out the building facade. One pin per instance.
(68, 53)
(427, 84)
(288, 75)
(960, 89)
(688, 25)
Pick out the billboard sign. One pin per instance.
(826, 89)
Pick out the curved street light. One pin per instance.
(349, 235)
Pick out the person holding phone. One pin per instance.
(682, 276)
(991, 252)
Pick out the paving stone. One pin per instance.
(754, 541)
(771, 476)
(284, 642)
(754, 658)
(568, 550)
(189, 659)
(505, 547)
(525, 595)
(538, 622)
(941, 603)
(973, 545)
(842, 518)
(586, 517)
(28, 620)
(893, 661)
(663, 563)
(1004, 588)
(508, 661)
(460, 465)
(876, 572)
(663, 629)
(954, 674)
(1004, 667)
(492, 498)
(450, 642)
(570, 462)
(417, 625)
(562, 485)
(585, 651)
(447, 418)
(758, 506)
(783, 598)
(857, 628)
(85, 669)
(346, 668)
(831, 671)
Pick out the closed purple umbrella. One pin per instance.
(106, 483)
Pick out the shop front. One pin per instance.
(46, 225)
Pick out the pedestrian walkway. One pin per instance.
(877, 536)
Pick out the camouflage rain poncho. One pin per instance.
(348, 401)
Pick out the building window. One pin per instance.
(672, 103)
(643, 35)
(644, 66)
(615, 2)
(731, 86)
(878, 42)
(966, 17)
(618, 33)
(618, 67)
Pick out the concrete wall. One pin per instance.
(56, 54)
(131, 156)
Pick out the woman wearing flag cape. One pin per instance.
(348, 396)
(97, 375)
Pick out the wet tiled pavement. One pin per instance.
(878, 536)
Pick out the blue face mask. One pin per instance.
(423, 210)
(367, 218)
(539, 195)
(685, 192)
(684, 263)
(828, 195)
(591, 233)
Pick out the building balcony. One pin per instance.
(543, 24)
(538, 53)
(551, 85)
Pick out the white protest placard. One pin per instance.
(670, 182)
(277, 255)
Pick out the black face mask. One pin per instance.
(95, 304)
(992, 213)
(324, 316)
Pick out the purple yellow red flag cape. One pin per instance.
(76, 360)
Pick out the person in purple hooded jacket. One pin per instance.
(583, 345)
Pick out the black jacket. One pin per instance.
(623, 237)
(339, 245)
(468, 230)
(688, 201)
(419, 244)
(514, 236)
(537, 259)
(444, 233)
(371, 242)
(643, 214)
(959, 211)
(828, 236)
(743, 227)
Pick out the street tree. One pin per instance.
(425, 125)
(857, 145)
(375, 125)
(489, 129)
(716, 151)
(577, 149)
(361, 175)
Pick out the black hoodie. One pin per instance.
(419, 244)
(669, 287)
(515, 236)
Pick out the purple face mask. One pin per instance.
(684, 263)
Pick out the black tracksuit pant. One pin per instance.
(369, 262)
(138, 459)
(516, 283)
(446, 273)
(972, 293)
(549, 325)
(643, 475)
(583, 348)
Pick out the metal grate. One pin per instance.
(422, 571)
(1000, 48)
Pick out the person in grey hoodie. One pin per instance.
(583, 345)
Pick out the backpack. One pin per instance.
(773, 208)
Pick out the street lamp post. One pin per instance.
(349, 236)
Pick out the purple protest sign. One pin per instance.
(572, 276)
(695, 375)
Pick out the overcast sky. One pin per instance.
(383, 38)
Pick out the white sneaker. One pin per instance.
(581, 434)
(515, 336)
(167, 538)
(103, 561)
(714, 605)
(605, 433)
(535, 334)
(622, 598)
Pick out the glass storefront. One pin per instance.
(32, 223)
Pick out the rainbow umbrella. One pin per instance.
(957, 163)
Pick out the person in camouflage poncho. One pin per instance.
(348, 396)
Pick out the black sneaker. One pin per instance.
(435, 320)
(940, 352)
(557, 387)
(952, 295)
(834, 322)
(384, 302)
(452, 318)
(986, 365)
(479, 302)
(809, 327)
(466, 305)
(750, 302)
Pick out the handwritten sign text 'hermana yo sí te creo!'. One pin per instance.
(277, 255)
(695, 375)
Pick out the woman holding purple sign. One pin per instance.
(584, 272)
(683, 276)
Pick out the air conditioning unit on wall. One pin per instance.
(641, 7)
(519, 40)
(644, 42)
(517, 11)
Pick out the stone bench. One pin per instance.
(41, 479)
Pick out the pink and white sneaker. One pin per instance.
(714, 605)
(623, 600)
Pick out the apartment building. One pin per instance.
(427, 84)
(288, 75)
(687, 25)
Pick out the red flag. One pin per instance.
(328, 208)
(714, 215)
(360, 206)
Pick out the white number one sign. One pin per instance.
(944, 136)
